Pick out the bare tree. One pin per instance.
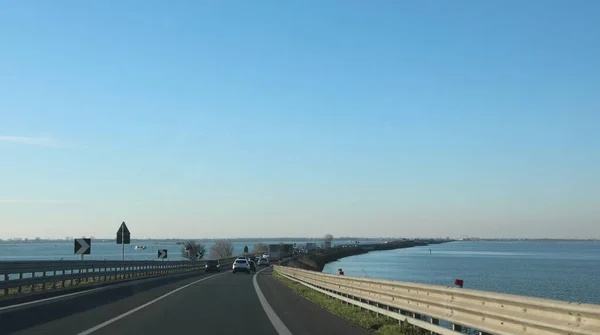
(260, 248)
(193, 250)
(328, 239)
(221, 249)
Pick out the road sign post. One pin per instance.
(82, 246)
(123, 237)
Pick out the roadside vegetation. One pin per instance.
(366, 319)
(193, 250)
(259, 248)
(221, 249)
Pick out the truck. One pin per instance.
(274, 252)
(278, 252)
(310, 246)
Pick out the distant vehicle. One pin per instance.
(243, 258)
(310, 246)
(140, 247)
(263, 262)
(265, 256)
(241, 265)
(212, 265)
(252, 266)
(278, 252)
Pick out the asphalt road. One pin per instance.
(217, 304)
(301, 316)
(222, 303)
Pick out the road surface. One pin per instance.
(221, 303)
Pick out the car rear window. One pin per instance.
(240, 261)
(212, 262)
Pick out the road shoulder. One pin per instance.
(301, 316)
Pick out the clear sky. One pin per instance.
(300, 118)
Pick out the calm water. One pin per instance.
(556, 270)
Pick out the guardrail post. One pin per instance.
(20, 277)
(53, 282)
(6, 288)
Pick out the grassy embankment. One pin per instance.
(379, 325)
(316, 260)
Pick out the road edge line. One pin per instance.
(275, 320)
(84, 291)
(117, 318)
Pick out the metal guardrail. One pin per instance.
(425, 305)
(30, 276)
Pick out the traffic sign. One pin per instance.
(123, 234)
(83, 246)
(162, 253)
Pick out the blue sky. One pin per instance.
(300, 118)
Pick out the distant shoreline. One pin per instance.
(528, 240)
(316, 261)
(201, 240)
(302, 239)
(298, 239)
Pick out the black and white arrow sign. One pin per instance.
(162, 253)
(83, 246)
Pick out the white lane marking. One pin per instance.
(74, 294)
(275, 320)
(57, 297)
(106, 323)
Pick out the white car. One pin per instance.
(241, 265)
(263, 261)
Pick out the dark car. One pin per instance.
(212, 265)
(252, 266)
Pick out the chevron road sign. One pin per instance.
(83, 246)
(162, 253)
